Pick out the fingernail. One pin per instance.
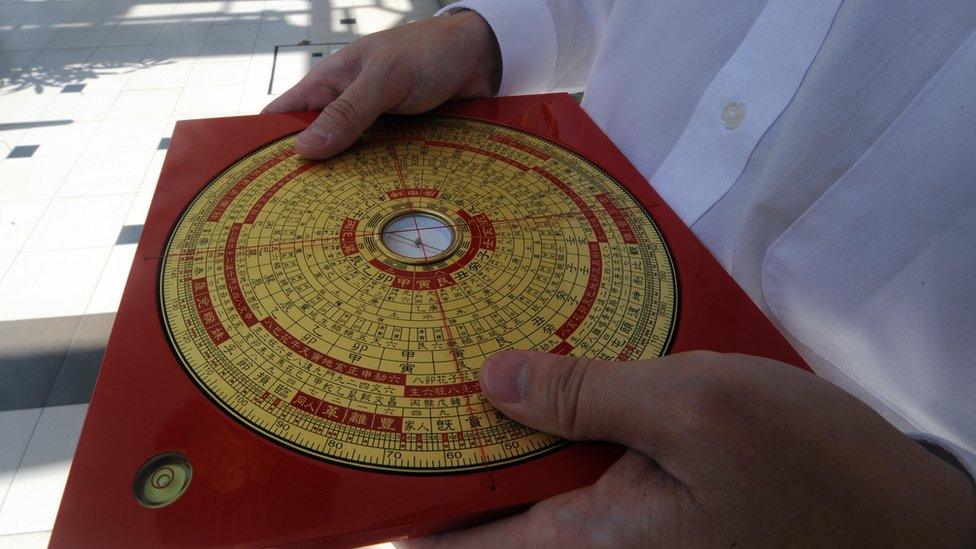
(503, 376)
(311, 137)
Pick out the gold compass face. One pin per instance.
(343, 308)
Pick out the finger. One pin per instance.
(308, 94)
(631, 403)
(575, 518)
(539, 526)
(295, 99)
(344, 119)
(507, 532)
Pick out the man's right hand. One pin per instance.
(405, 70)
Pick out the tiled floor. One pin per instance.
(90, 91)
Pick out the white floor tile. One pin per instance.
(62, 7)
(289, 6)
(80, 222)
(265, 47)
(102, 77)
(321, 33)
(9, 139)
(21, 9)
(210, 101)
(248, 7)
(108, 292)
(233, 32)
(84, 37)
(324, 11)
(114, 66)
(35, 493)
(41, 20)
(127, 135)
(259, 73)
(374, 19)
(145, 103)
(138, 11)
(298, 17)
(282, 32)
(28, 39)
(151, 177)
(169, 127)
(28, 540)
(183, 33)
(428, 7)
(220, 73)
(213, 52)
(182, 52)
(119, 55)
(33, 178)
(261, 61)
(197, 8)
(17, 220)
(11, 60)
(132, 35)
(6, 260)
(27, 104)
(47, 284)
(16, 427)
(255, 99)
(104, 174)
(157, 74)
(139, 209)
(80, 106)
(105, 9)
(61, 63)
(60, 140)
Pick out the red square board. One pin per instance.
(251, 489)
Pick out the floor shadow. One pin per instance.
(25, 33)
(27, 125)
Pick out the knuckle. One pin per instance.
(563, 386)
(343, 114)
(708, 402)
(703, 356)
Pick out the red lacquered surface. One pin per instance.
(249, 491)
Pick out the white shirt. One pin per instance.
(824, 151)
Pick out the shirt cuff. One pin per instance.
(526, 37)
(965, 459)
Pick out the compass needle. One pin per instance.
(344, 312)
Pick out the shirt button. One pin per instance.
(733, 114)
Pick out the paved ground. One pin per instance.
(89, 93)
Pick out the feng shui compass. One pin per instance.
(343, 308)
(296, 357)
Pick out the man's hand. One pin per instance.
(406, 70)
(725, 451)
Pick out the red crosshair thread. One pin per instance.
(416, 242)
(221, 249)
(457, 365)
(447, 330)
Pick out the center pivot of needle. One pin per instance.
(419, 236)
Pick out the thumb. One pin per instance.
(343, 120)
(581, 399)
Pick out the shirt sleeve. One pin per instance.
(952, 453)
(546, 45)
